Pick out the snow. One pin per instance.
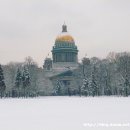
(64, 113)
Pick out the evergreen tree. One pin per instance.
(18, 81)
(93, 85)
(25, 79)
(90, 88)
(86, 71)
(2, 83)
(85, 87)
(58, 87)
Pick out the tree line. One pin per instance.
(110, 76)
(94, 77)
(18, 79)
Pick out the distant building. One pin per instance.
(59, 70)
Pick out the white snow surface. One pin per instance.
(64, 113)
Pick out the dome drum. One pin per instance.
(65, 57)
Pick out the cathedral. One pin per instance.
(58, 71)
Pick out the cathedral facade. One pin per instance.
(58, 71)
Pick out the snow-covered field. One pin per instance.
(65, 113)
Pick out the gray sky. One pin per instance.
(29, 27)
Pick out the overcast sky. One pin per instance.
(30, 27)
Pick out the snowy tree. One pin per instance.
(33, 70)
(25, 79)
(58, 88)
(123, 67)
(85, 87)
(85, 76)
(18, 80)
(94, 85)
(2, 83)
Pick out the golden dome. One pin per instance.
(65, 38)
